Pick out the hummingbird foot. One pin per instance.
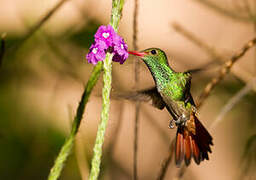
(171, 124)
(181, 121)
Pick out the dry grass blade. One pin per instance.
(233, 101)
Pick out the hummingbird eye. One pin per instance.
(153, 52)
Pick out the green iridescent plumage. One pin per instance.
(171, 85)
(172, 92)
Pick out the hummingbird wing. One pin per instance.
(187, 95)
(153, 94)
(146, 95)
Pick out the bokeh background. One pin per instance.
(42, 79)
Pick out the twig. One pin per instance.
(114, 136)
(136, 78)
(117, 6)
(97, 150)
(232, 102)
(248, 9)
(117, 129)
(68, 145)
(181, 172)
(118, 167)
(210, 50)
(166, 161)
(57, 51)
(135, 25)
(239, 73)
(228, 13)
(224, 71)
(2, 50)
(37, 26)
(209, 87)
(135, 148)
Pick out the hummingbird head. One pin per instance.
(157, 63)
(151, 56)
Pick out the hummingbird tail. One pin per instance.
(192, 144)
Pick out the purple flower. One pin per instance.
(97, 52)
(120, 49)
(106, 34)
(107, 40)
(119, 46)
(120, 59)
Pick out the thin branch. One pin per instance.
(166, 161)
(228, 13)
(239, 73)
(209, 87)
(135, 25)
(233, 101)
(68, 145)
(181, 172)
(43, 20)
(135, 147)
(116, 13)
(136, 78)
(248, 9)
(118, 167)
(114, 137)
(58, 52)
(117, 129)
(210, 50)
(38, 25)
(224, 71)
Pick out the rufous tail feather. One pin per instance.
(192, 144)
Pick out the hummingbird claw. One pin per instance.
(181, 121)
(171, 124)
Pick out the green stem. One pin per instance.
(117, 6)
(68, 145)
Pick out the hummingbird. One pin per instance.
(172, 91)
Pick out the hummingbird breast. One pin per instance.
(177, 107)
(173, 99)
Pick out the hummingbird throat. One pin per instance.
(160, 72)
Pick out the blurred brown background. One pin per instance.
(42, 79)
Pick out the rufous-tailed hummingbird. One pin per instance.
(172, 92)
